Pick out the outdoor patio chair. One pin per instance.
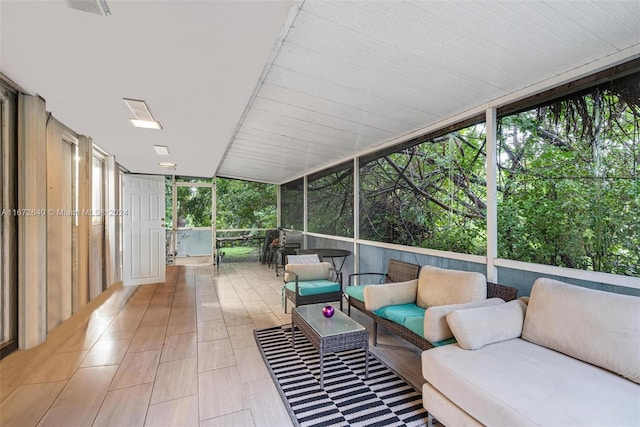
(312, 284)
(397, 271)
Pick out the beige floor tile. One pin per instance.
(214, 384)
(266, 320)
(106, 352)
(156, 316)
(180, 412)
(268, 409)
(212, 330)
(137, 368)
(180, 346)
(241, 418)
(251, 366)
(242, 337)
(182, 321)
(215, 354)
(175, 379)
(148, 338)
(57, 367)
(124, 407)
(87, 336)
(81, 398)
(28, 403)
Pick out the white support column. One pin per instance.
(305, 211)
(32, 229)
(85, 165)
(112, 232)
(356, 214)
(492, 205)
(279, 206)
(214, 214)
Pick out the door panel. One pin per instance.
(144, 232)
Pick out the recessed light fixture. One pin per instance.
(145, 124)
(143, 117)
(161, 150)
(98, 7)
(167, 165)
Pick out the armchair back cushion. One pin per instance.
(305, 272)
(597, 327)
(439, 286)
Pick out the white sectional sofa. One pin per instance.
(570, 357)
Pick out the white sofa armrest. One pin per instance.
(378, 296)
(436, 327)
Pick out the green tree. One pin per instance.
(245, 204)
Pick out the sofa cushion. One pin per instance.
(314, 287)
(307, 271)
(476, 327)
(435, 318)
(598, 327)
(355, 292)
(439, 286)
(517, 383)
(378, 296)
(399, 313)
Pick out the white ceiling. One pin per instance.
(292, 87)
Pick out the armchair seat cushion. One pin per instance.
(355, 292)
(314, 287)
(400, 313)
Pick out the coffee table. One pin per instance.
(329, 334)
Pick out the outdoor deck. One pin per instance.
(180, 352)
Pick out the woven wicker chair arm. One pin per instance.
(507, 293)
(352, 275)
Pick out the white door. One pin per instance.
(144, 240)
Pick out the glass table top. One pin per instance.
(338, 324)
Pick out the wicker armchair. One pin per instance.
(312, 284)
(397, 271)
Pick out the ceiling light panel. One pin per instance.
(139, 109)
(98, 7)
(161, 150)
(146, 124)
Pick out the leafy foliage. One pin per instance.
(330, 203)
(569, 186)
(245, 204)
(430, 195)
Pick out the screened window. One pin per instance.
(569, 190)
(330, 201)
(431, 195)
(292, 204)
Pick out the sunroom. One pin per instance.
(500, 138)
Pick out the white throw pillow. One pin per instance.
(436, 327)
(378, 296)
(476, 327)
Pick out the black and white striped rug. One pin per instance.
(348, 399)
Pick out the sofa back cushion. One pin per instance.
(439, 286)
(307, 271)
(600, 328)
